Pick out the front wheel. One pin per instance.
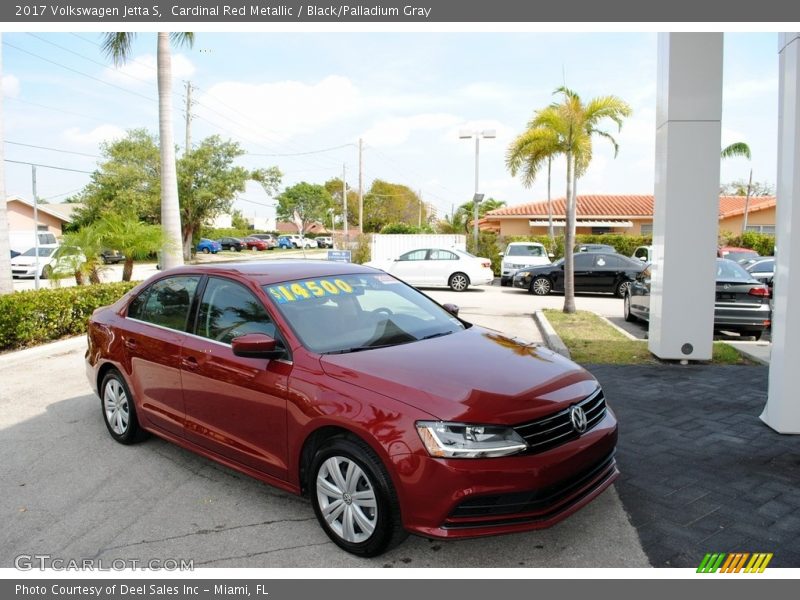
(458, 282)
(353, 498)
(505, 281)
(206, 250)
(238, 248)
(622, 288)
(47, 272)
(541, 286)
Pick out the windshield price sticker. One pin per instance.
(305, 290)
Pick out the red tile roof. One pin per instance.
(594, 205)
(288, 227)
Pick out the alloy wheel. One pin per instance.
(541, 286)
(459, 282)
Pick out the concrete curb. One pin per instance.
(549, 334)
(45, 350)
(743, 349)
(627, 334)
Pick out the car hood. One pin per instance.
(476, 375)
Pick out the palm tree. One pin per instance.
(134, 239)
(526, 155)
(87, 242)
(118, 46)
(569, 127)
(743, 150)
(6, 282)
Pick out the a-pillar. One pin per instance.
(683, 272)
(782, 411)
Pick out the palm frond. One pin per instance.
(182, 39)
(117, 46)
(736, 149)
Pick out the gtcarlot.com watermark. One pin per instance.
(43, 562)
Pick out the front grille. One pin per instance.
(536, 501)
(557, 429)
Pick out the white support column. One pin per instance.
(688, 114)
(782, 411)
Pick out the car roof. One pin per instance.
(266, 272)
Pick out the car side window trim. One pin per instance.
(145, 296)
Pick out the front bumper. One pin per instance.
(23, 271)
(521, 281)
(452, 498)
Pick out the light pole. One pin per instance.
(465, 134)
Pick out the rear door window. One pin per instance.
(167, 302)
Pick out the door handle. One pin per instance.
(189, 362)
(129, 344)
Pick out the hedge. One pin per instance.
(34, 317)
(624, 244)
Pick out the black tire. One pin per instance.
(47, 272)
(238, 248)
(626, 309)
(206, 250)
(130, 432)
(540, 286)
(458, 282)
(621, 288)
(754, 333)
(505, 281)
(388, 526)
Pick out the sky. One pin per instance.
(286, 96)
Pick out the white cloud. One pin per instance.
(397, 130)
(93, 138)
(276, 111)
(141, 70)
(10, 85)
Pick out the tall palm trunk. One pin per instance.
(6, 282)
(569, 241)
(550, 233)
(172, 255)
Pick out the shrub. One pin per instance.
(362, 249)
(405, 228)
(762, 243)
(487, 248)
(34, 317)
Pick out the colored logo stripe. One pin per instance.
(734, 563)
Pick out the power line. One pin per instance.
(52, 149)
(53, 108)
(92, 77)
(21, 162)
(305, 153)
(91, 60)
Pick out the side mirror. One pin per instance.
(643, 258)
(551, 255)
(256, 345)
(500, 254)
(451, 308)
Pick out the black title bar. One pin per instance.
(394, 11)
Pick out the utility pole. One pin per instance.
(360, 186)
(35, 227)
(188, 117)
(345, 227)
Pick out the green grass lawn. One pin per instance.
(591, 340)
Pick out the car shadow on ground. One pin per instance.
(72, 492)
(639, 329)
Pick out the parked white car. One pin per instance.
(52, 263)
(301, 242)
(643, 253)
(433, 267)
(519, 255)
(20, 241)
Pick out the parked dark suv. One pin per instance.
(231, 243)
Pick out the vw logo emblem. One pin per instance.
(578, 418)
(727, 286)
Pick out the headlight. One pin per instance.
(459, 440)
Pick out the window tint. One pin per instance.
(610, 262)
(641, 252)
(229, 310)
(763, 267)
(525, 250)
(583, 261)
(136, 307)
(414, 255)
(168, 302)
(442, 255)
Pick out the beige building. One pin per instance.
(52, 217)
(618, 214)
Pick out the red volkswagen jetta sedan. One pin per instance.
(344, 384)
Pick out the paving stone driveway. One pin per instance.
(700, 471)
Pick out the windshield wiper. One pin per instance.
(435, 335)
(359, 349)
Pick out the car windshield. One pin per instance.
(727, 270)
(525, 250)
(351, 313)
(42, 252)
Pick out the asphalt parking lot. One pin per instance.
(72, 492)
